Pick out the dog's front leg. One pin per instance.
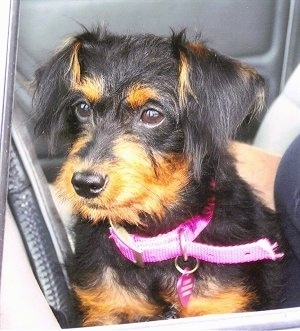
(112, 303)
(219, 300)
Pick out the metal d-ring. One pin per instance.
(186, 271)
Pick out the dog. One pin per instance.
(165, 227)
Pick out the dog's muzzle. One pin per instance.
(89, 184)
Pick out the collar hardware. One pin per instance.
(186, 270)
(128, 241)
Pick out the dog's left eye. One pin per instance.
(83, 111)
(151, 117)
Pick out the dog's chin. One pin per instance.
(116, 214)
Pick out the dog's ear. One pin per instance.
(216, 93)
(53, 83)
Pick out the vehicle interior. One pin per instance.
(35, 290)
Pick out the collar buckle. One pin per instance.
(127, 240)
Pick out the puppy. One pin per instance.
(165, 226)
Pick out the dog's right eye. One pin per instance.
(151, 117)
(83, 111)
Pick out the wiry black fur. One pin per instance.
(221, 97)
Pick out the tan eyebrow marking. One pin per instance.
(139, 95)
(91, 87)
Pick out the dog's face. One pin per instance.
(145, 115)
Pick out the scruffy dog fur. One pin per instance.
(149, 120)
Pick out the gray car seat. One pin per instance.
(281, 123)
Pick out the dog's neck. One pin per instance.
(181, 242)
(132, 245)
(193, 202)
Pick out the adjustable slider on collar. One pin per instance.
(127, 240)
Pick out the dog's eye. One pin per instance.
(151, 117)
(83, 111)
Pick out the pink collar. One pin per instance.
(180, 242)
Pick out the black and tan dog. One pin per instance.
(165, 226)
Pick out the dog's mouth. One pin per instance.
(99, 212)
(95, 206)
(123, 188)
(103, 208)
(121, 200)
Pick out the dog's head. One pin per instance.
(146, 116)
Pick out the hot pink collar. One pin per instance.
(180, 242)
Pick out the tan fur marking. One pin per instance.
(74, 67)
(184, 83)
(198, 49)
(133, 185)
(139, 95)
(212, 298)
(230, 300)
(111, 303)
(79, 144)
(91, 88)
(63, 185)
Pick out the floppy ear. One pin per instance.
(216, 93)
(55, 80)
(52, 82)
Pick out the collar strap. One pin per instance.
(180, 241)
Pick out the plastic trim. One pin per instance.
(9, 23)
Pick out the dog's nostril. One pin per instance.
(88, 184)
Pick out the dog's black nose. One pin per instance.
(88, 184)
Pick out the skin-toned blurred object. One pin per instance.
(258, 168)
